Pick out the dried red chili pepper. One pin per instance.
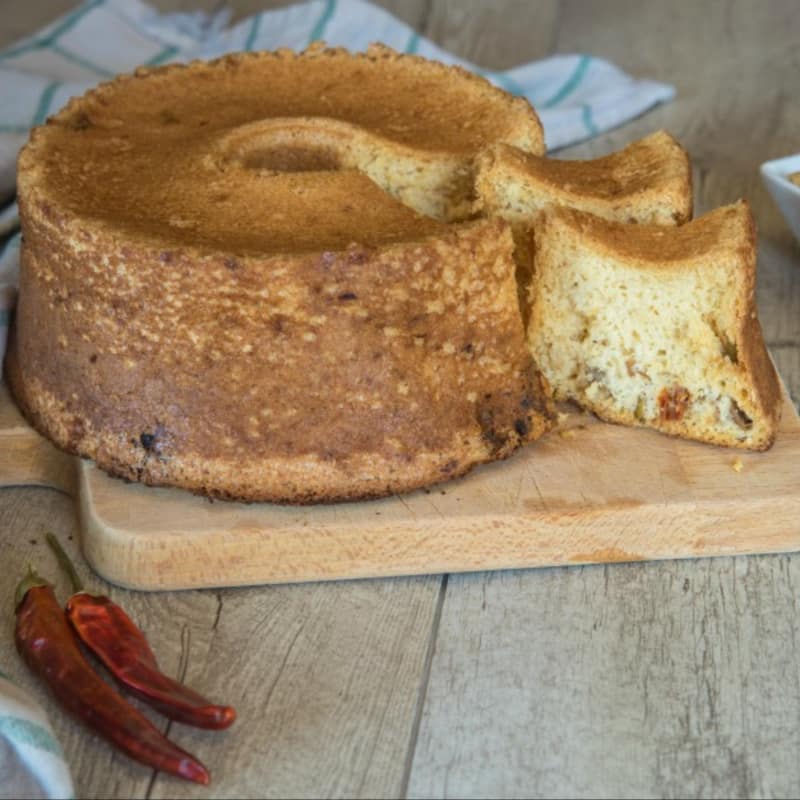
(46, 641)
(113, 637)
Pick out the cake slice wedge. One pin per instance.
(649, 181)
(655, 326)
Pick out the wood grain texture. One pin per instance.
(778, 296)
(27, 459)
(326, 680)
(645, 680)
(498, 36)
(673, 680)
(18, 22)
(325, 677)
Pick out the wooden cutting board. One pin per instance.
(587, 493)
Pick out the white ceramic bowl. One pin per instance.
(785, 193)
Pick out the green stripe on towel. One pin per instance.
(571, 83)
(81, 61)
(508, 83)
(165, 55)
(29, 733)
(318, 31)
(43, 109)
(71, 21)
(251, 37)
(413, 43)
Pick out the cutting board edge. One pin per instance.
(613, 535)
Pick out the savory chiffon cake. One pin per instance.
(238, 277)
(656, 326)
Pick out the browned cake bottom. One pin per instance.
(292, 481)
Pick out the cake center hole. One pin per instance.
(291, 158)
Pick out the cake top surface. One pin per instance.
(251, 152)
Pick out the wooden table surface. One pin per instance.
(629, 680)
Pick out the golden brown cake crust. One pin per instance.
(378, 371)
(202, 154)
(226, 287)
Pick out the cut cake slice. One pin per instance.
(649, 181)
(656, 326)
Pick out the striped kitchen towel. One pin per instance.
(31, 762)
(577, 96)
